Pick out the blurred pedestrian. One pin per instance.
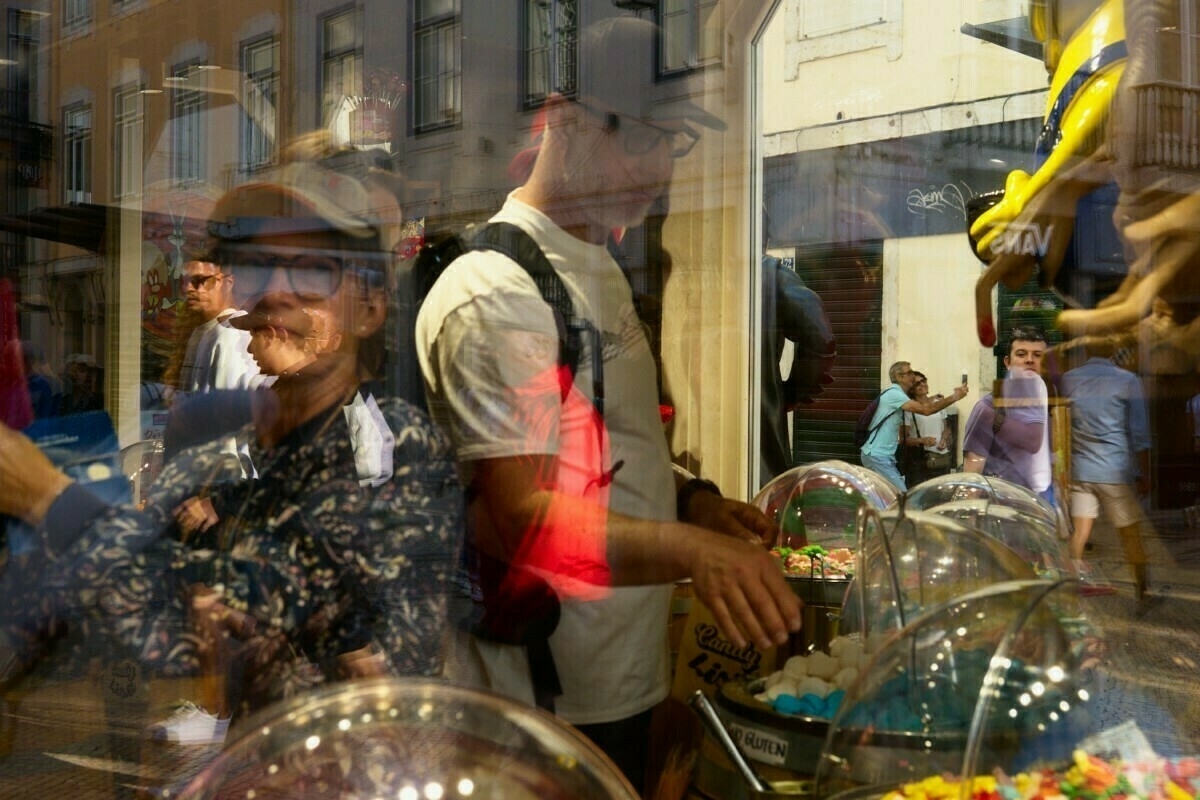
(1110, 454)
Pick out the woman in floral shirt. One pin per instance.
(327, 551)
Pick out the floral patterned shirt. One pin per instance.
(321, 561)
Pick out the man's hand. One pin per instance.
(195, 514)
(730, 517)
(744, 588)
(29, 483)
(1142, 484)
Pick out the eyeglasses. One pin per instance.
(202, 282)
(905, 372)
(308, 271)
(639, 138)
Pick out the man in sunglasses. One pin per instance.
(216, 356)
(544, 467)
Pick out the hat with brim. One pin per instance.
(300, 197)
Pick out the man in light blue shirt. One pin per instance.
(1110, 452)
(879, 451)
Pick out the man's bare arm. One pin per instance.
(739, 582)
(934, 406)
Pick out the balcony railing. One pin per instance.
(1168, 127)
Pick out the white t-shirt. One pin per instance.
(217, 357)
(933, 425)
(483, 332)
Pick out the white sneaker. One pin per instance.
(190, 724)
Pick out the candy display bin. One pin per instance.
(988, 680)
(995, 492)
(1032, 538)
(818, 503)
(911, 561)
(408, 739)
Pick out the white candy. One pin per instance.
(774, 679)
(849, 654)
(836, 645)
(811, 685)
(796, 667)
(783, 687)
(845, 677)
(822, 666)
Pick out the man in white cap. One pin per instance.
(546, 473)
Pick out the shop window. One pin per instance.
(22, 65)
(127, 141)
(76, 13)
(437, 65)
(691, 34)
(77, 154)
(341, 60)
(260, 65)
(187, 126)
(551, 49)
(817, 29)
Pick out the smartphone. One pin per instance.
(964, 380)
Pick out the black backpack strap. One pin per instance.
(509, 240)
(871, 433)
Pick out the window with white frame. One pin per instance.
(76, 13)
(341, 60)
(77, 154)
(1177, 49)
(691, 34)
(127, 141)
(187, 126)
(437, 64)
(260, 65)
(820, 29)
(551, 49)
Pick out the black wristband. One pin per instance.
(684, 497)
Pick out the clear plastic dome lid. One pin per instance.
(1032, 538)
(962, 486)
(911, 561)
(817, 503)
(408, 740)
(991, 680)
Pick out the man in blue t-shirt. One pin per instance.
(879, 452)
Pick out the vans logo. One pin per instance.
(1023, 239)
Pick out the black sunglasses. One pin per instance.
(199, 282)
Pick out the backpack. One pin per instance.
(519, 606)
(863, 430)
(416, 282)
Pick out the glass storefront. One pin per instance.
(292, 415)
